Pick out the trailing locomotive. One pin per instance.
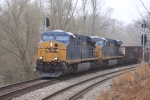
(61, 53)
(107, 51)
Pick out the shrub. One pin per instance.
(130, 86)
(14, 74)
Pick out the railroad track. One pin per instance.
(7, 91)
(82, 92)
(15, 90)
(77, 85)
(7, 94)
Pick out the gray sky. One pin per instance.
(125, 10)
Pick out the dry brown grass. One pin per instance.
(130, 86)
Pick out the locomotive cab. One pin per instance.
(51, 54)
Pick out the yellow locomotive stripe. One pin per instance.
(79, 60)
(87, 59)
(104, 58)
(76, 60)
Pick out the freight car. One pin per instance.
(61, 53)
(135, 53)
(131, 54)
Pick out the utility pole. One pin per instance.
(143, 39)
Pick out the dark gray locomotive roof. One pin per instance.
(107, 40)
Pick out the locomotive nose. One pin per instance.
(51, 52)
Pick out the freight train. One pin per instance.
(60, 53)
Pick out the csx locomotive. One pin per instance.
(61, 53)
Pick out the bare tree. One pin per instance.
(61, 13)
(84, 12)
(99, 19)
(95, 13)
(19, 25)
(145, 17)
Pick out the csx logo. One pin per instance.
(55, 50)
(50, 50)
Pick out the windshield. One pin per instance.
(100, 43)
(62, 38)
(48, 37)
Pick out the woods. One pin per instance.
(21, 24)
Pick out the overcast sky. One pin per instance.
(125, 10)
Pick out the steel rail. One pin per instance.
(82, 92)
(82, 82)
(11, 87)
(22, 91)
(14, 93)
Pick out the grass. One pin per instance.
(13, 74)
(130, 86)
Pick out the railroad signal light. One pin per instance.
(145, 39)
(47, 22)
(143, 25)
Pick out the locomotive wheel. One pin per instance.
(72, 68)
(99, 64)
(105, 64)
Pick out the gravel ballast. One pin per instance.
(44, 92)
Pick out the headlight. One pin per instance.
(41, 57)
(56, 58)
(51, 44)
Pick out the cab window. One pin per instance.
(72, 40)
(100, 43)
(62, 38)
(48, 37)
(105, 43)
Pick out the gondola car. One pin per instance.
(131, 54)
